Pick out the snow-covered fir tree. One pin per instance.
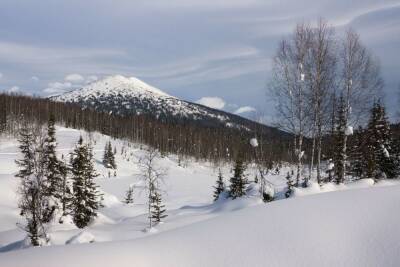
(238, 181)
(357, 158)
(157, 211)
(129, 195)
(290, 185)
(33, 200)
(109, 157)
(382, 162)
(86, 198)
(52, 172)
(340, 156)
(219, 187)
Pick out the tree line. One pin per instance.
(202, 143)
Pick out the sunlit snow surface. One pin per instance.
(348, 228)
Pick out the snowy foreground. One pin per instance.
(358, 227)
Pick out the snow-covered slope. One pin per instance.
(126, 96)
(357, 227)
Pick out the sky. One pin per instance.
(214, 52)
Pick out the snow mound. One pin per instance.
(81, 238)
(348, 228)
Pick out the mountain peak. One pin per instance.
(123, 96)
(122, 84)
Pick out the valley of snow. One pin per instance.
(357, 227)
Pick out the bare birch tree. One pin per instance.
(288, 89)
(152, 176)
(360, 84)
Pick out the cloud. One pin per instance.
(35, 78)
(14, 89)
(245, 109)
(212, 102)
(91, 78)
(1, 75)
(57, 87)
(74, 78)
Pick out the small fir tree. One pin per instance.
(290, 184)
(220, 186)
(129, 196)
(239, 181)
(158, 210)
(109, 157)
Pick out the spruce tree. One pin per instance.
(290, 184)
(339, 152)
(86, 198)
(109, 157)
(357, 155)
(129, 195)
(52, 172)
(239, 181)
(382, 159)
(220, 186)
(157, 208)
(33, 201)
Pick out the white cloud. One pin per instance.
(1, 75)
(245, 109)
(212, 102)
(57, 87)
(14, 89)
(91, 78)
(35, 78)
(74, 78)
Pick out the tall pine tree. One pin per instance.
(382, 159)
(340, 150)
(33, 201)
(52, 167)
(357, 155)
(86, 198)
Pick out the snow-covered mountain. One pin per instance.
(126, 96)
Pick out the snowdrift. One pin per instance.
(345, 228)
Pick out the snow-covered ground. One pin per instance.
(345, 228)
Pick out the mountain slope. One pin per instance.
(129, 96)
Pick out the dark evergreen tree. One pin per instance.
(52, 172)
(290, 185)
(239, 181)
(129, 195)
(26, 164)
(33, 201)
(157, 208)
(382, 162)
(86, 198)
(339, 152)
(357, 155)
(220, 186)
(109, 157)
